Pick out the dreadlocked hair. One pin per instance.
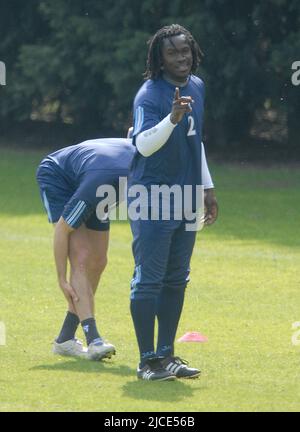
(154, 59)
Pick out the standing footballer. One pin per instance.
(168, 117)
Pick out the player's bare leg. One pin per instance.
(98, 242)
(66, 344)
(88, 257)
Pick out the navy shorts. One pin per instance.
(60, 198)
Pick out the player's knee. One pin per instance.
(175, 286)
(98, 263)
(177, 281)
(143, 291)
(80, 259)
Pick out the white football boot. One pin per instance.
(70, 348)
(99, 349)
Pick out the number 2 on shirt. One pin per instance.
(192, 130)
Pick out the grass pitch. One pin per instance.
(244, 295)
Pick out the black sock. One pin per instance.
(169, 309)
(90, 330)
(143, 316)
(69, 328)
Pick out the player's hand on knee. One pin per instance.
(181, 105)
(69, 292)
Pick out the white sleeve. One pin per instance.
(206, 177)
(151, 140)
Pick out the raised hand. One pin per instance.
(181, 105)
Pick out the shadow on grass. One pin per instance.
(79, 365)
(171, 391)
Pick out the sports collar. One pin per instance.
(176, 83)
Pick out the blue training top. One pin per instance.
(85, 167)
(106, 154)
(178, 161)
